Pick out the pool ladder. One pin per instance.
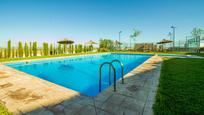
(114, 71)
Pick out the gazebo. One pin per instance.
(90, 42)
(164, 42)
(65, 42)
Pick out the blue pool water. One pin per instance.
(80, 73)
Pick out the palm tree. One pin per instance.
(135, 34)
(196, 33)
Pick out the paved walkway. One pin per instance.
(25, 94)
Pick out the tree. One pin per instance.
(45, 48)
(196, 33)
(26, 50)
(135, 34)
(105, 45)
(72, 48)
(35, 48)
(76, 49)
(13, 52)
(16, 52)
(9, 49)
(31, 49)
(59, 49)
(20, 49)
(54, 50)
(51, 49)
(41, 52)
(91, 47)
(84, 49)
(79, 48)
(5, 53)
(65, 48)
(1, 54)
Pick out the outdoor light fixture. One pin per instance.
(119, 38)
(173, 27)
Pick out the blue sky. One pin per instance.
(83, 20)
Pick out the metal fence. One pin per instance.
(190, 44)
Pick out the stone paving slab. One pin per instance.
(25, 94)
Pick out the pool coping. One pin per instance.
(51, 58)
(50, 88)
(63, 57)
(67, 57)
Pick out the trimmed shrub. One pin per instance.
(79, 48)
(45, 49)
(26, 50)
(31, 49)
(20, 49)
(35, 49)
(9, 49)
(51, 49)
(13, 52)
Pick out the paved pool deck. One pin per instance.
(25, 94)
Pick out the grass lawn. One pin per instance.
(198, 54)
(134, 52)
(181, 88)
(3, 110)
(41, 57)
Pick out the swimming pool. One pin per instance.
(80, 73)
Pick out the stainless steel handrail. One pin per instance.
(122, 68)
(110, 65)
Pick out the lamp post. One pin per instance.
(170, 37)
(187, 43)
(173, 27)
(119, 38)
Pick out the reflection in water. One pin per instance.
(65, 67)
(43, 76)
(81, 73)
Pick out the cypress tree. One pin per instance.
(1, 55)
(79, 48)
(70, 48)
(51, 49)
(65, 48)
(9, 49)
(5, 53)
(45, 48)
(59, 49)
(13, 52)
(76, 50)
(20, 49)
(55, 50)
(84, 49)
(16, 50)
(26, 50)
(35, 49)
(31, 48)
(41, 52)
